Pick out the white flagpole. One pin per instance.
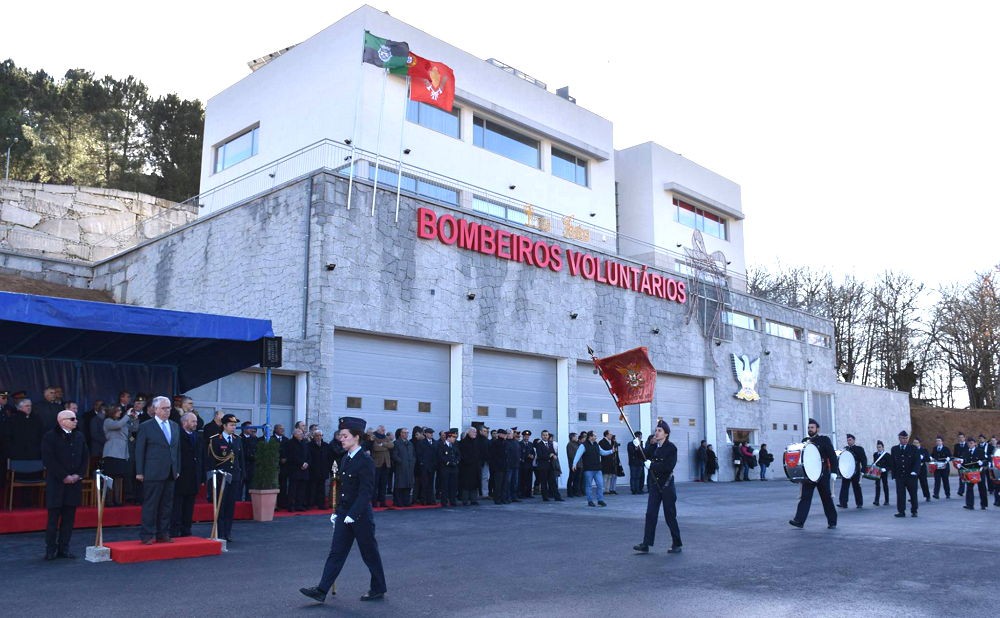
(378, 137)
(357, 105)
(399, 158)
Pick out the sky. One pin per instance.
(864, 135)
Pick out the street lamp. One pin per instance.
(6, 171)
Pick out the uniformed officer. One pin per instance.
(880, 459)
(924, 456)
(855, 481)
(448, 459)
(660, 460)
(975, 458)
(905, 468)
(828, 458)
(354, 518)
(225, 453)
(941, 456)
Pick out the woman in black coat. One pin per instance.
(711, 463)
(469, 468)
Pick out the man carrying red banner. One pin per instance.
(661, 458)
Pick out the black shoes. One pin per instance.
(860, 507)
(51, 555)
(67, 555)
(314, 593)
(603, 503)
(589, 503)
(797, 524)
(843, 506)
(913, 514)
(971, 508)
(900, 515)
(674, 550)
(831, 526)
(372, 596)
(642, 548)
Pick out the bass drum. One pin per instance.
(802, 461)
(846, 464)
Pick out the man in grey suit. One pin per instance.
(157, 465)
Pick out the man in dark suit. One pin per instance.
(498, 467)
(192, 473)
(905, 468)
(157, 466)
(249, 440)
(225, 453)
(941, 456)
(426, 454)
(354, 518)
(448, 457)
(544, 456)
(976, 459)
(828, 457)
(282, 440)
(64, 452)
(924, 456)
(298, 459)
(960, 451)
(861, 462)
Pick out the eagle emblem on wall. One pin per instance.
(747, 373)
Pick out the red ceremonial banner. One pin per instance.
(431, 82)
(631, 376)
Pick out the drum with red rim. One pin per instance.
(803, 461)
(969, 475)
(873, 473)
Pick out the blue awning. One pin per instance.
(200, 347)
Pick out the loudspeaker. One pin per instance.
(270, 352)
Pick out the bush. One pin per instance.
(265, 474)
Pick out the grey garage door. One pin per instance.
(391, 382)
(595, 410)
(514, 390)
(783, 424)
(680, 401)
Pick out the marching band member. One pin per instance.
(941, 456)
(905, 467)
(855, 481)
(922, 473)
(976, 459)
(961, 452)
(829, 461)
(882, 462)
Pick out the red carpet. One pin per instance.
(185, 547)
(34, 520)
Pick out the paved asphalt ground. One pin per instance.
(741, 558)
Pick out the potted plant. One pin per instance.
(264, 488)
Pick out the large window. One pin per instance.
(700, 219)
(503, 141)
(742, 320)
(498, 210)
(569, 167)
(784, 331)
(387, 178)
(245, 394)
(236, 149)
(434, 118)
(818, 339)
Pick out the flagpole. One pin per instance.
(378, 137)
(621, 411)
(399, 158)
(354, 136)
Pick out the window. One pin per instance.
(499, 210)
(434, 118)
(692, 422)
(676, 421)
(784, 331)
(354, 402)
(505, 142)
(581, 416)
(424, 406)
(604, 418)
(390, 405)
(417, 186)
(700, 219)
(774, 426)
(569, 167)
(818, 339)
(236, 149)
(482, 411)
(511, 412)
(536, 414)
(742, 320)
(795, 427)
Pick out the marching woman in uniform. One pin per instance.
(353, 519)
(882, 461)
(660, 460)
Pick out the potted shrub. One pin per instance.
(264, 489)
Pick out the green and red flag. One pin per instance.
(431, 82)
(630, 376)
(384, 53)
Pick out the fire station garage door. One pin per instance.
(514, 390)
(391, 382)
(680, 401)
(595, 409)
(783, 425)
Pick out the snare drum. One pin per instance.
(803, 461)
(846, 464)
(873, 473)
(969, 475)
(957, 463)
(932, 467)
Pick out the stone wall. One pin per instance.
(82, 223)
(872, 414)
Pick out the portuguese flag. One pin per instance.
(384, 53)
(431, 82)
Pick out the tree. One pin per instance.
(174, 128)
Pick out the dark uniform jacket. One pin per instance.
(296, 454)
(905, 460)
(961, 451)
(924, 455)
(63, 454)
(527, 452)
(448, 455)
(860, 457)
(663, 460)
(498, 454)
(320, 461)
(227, 457)
(512, 450)
(192, 464)
(426, 454)
(827, 453)
(940, 455)
(356, 486)
(976, 457)
(883, 460)
(543, 455)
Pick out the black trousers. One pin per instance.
(59, 529)
(500, 487)
(970, 492)
(426, 490)
(882, 483)
(157, 508)
(298, 493)
(906, 485)
(448, 480)
(667, 498)
(941, 476)
(344, 536)
(924, 489)
(545, 483)
(524, 482)
(283, 501)
(182, 514)
(402, 496)
(226, 510)
(845, 484)
(382, 476)
(317, 493)
(825, 496)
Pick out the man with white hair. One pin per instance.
(64, 452)
(157, 466)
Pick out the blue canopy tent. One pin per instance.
(93, 349)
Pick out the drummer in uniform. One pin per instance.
(353, 519)
(905, 467)
(941, 456)
(828, 458)
(881, 460)
(225, 453)
(861, 459)
(960, 452)
(925, 456)
(660, 458)
(975, 458)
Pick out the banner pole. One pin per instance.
(399, 157)
(378, 136)
(357, 105)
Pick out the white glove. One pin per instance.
(637, 443)
(648, 464)
(348, 520)
(882, 469)
(333, 518)
(913, 473)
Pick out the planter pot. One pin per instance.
(263, 503)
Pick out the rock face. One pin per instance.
(82, 223)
